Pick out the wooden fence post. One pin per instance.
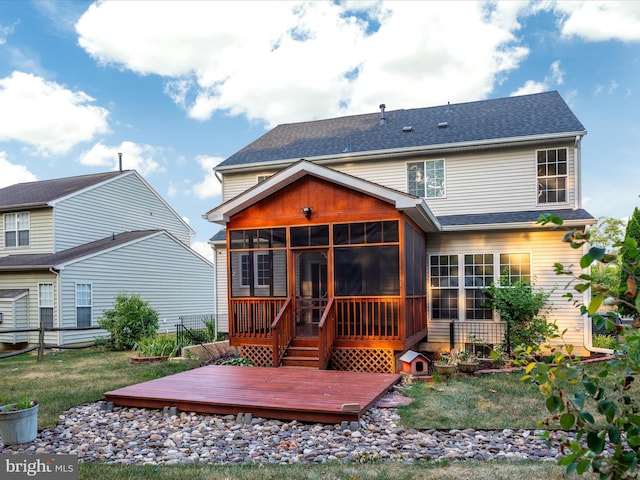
(41, 342)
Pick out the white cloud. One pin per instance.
(278, 61)
(12, 173)
(5, 31)
(134, 157)
(550, 82)
(46, 115)
(204, 249)
(598, 21)
(210, 186)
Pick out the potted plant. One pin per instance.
(467, 361)
(445, 365)
(19, 421)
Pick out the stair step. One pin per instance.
(312, 362)
(302, 352)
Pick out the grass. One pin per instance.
(487, 402)
(493, 470)
(70, 378)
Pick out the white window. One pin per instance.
(262, 178)
(16, 229)
(456, 282)
(426, 179)
(83, 305)
(261, 270)
(45, 304)
(552, 175)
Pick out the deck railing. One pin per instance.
(282, 331)
(326, 335)
(362, 318)
(252, 317)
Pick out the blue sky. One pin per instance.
(178, 86)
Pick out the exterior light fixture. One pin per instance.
(307, 212)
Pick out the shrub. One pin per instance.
(130, 320)
(605, 341)
(520, 306)
(159, 346)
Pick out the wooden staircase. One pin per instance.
(302, 352)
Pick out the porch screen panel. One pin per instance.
(258, 262)
(415, 263)
(367, 271)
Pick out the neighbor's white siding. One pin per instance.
(177, 282)
(480, 182)
(546, 248)
(120, 205)
(40, 234)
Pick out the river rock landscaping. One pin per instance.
(97, 433)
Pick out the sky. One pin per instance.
(178, 86)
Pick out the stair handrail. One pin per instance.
(326, 335)
(282, 331)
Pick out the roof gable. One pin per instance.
(414, 207)
(536, 116)
(41, 193)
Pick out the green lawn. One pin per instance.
(70, 378)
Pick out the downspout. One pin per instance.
(58, 302)
(577, 168)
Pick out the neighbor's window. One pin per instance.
(16, 229)
(83, 304)
(443, 273)
(552, 175)
(426, 179)
(45, 304)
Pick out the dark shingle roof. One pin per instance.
(41, 192)
(51, 260)
(511, 217)
(541, 114)
(12, 293)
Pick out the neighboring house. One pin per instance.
(71, 245)
(360, 237)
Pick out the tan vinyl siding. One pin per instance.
(499, 181)
(488, 181)
(40, 234)
(29, 281)
(121, 205)
(176, 282)
(546, 248)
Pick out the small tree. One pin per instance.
(609, 447)
(522, 308)
(630, 268)
(130, 320)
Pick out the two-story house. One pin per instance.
(353, 239)
(71, 245)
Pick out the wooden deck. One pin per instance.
(291, 393)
